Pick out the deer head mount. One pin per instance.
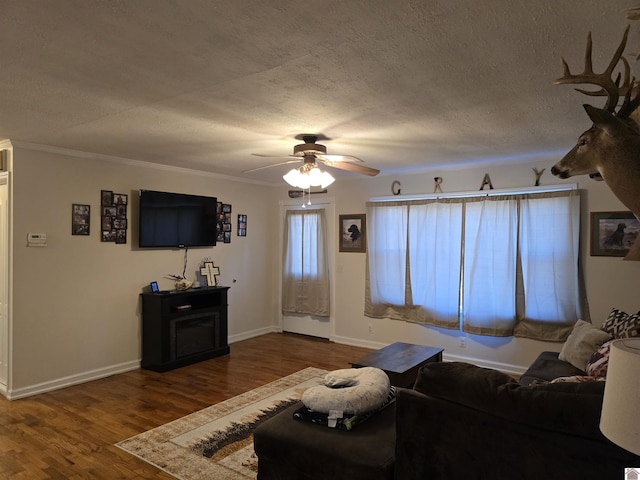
(611, 147)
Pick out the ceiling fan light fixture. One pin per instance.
(293, 177)
(305, 178)
(326, 180)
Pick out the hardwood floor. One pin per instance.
(70, 433)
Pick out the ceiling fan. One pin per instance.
(310, 153)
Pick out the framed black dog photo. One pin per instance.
(613, 233)
(353, 230)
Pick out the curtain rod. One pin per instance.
(476, 193)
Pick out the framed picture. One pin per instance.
(154, 287)
(120, 223)
(242, 225)
(353, 229)
(106, 197)
(613, 233)
(121, 236)
(80, 219)
(113, 217)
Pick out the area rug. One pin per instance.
(217, 442)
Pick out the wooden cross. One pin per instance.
(211, 273)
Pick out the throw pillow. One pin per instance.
(622, 325)
(599, 361)
(582, 342)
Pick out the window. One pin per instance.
(305, 276)
(490, 265)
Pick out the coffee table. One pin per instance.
(400, 361)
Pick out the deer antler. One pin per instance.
(609, 87)
(631, 102)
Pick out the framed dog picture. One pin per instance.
(613, 233)
(353, 229)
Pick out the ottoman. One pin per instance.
(290, 449)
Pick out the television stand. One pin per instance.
(183, 327)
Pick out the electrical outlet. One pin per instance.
(370, 329)
(463, 342)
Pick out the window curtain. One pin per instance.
(305, 278)
(435, 240)
(552, 290)
(489, 278)
(389, 240)
(495, 265)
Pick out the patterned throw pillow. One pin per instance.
(622, 325)
(577, 379)
(599, 361)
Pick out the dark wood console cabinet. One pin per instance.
(181, 328)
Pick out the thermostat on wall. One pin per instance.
(36, 239)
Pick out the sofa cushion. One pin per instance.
(547, 367)
(622, 325)
(567, 407)
(583, 341)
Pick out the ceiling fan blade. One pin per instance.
(352, 167)
(339, 158)
(273, 165)
(274, 156)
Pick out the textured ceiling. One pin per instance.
(204, 84)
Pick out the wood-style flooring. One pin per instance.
(70, 433)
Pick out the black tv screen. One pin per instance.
(176, 220)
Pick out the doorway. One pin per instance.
(306, 324)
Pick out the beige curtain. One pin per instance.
(305, 273)
(501, 265)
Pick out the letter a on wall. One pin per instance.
(486, 181)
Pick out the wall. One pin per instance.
(76, 306)
(610, 282)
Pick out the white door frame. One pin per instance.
(5, 284)
(328, 204)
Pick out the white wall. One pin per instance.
(610, 282)
(76, 306)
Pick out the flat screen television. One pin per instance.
(176, 220)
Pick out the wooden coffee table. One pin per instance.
(400, 361)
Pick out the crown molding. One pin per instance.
(127, 161)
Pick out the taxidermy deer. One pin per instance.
(611, 147)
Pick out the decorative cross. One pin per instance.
(211, 273)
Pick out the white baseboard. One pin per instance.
(253, 333)
(14, 394)
(357, 342)
(502, 367)
(17, 393)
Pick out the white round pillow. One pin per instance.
(350, 390)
